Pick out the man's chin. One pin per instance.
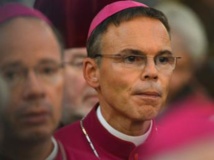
(35, 135)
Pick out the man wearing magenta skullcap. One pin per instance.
(129, 64)
(31, 66)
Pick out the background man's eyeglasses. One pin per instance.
(17, 75)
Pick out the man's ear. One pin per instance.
(90, 72)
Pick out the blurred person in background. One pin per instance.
(72, 18)
(186, 125)
(31, 65)
(189, 42)
(79, 97)
(185, 135)
(205, 10)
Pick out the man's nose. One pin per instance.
(150, 71)
(33, 87)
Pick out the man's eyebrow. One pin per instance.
(12, 65)
(74, 58)
(165, 52)
(48, 61)
(139, 52)
(132, 51)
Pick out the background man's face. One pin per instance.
(79, 97)
(184, 70)
(29, 62)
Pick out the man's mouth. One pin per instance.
(35, 117)
(148, 95)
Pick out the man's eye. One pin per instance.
(165, 60)
(133, 59)
(11, 74)
(49, 70)
(77, 64)
(130, 59)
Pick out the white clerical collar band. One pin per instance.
(54, 151)
(137, 140)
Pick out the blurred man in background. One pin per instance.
(79, 97)
(189, 42)
(31, 65)
(72, 19)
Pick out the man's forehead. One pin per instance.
(28, 41)
(145, 24)
(25, 32)
(16, 30)
(129, 34)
